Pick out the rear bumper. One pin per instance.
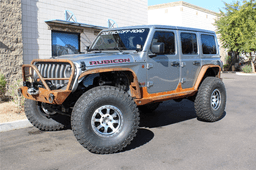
(45, 94)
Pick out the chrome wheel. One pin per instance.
(46, 111)
(107, 120)
(215, 99)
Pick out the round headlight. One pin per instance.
(67, 72)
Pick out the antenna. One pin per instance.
(69, 16)
(112, 23)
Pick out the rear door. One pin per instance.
(163, 69)
(190, 58)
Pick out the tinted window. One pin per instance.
(168, 39)
(121, 39)
(188, 43)
(64, 43)
(208, 44)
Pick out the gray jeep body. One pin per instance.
(127, 71)
(158, 75)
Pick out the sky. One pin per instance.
(213, 5)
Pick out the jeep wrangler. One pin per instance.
(126, 71)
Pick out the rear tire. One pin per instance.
(210, 101)
(38, 117)
(105, 119)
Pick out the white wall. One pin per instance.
(181, 16)
(197, 19)
(165, 16)
(37, 37)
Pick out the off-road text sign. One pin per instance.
(123, 31)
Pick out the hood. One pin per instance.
(93, 59)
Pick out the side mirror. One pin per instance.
(138, 47)
(157, 48)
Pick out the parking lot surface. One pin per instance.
(171, 139)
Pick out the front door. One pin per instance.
(163, 69)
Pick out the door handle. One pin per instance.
(175, 63)
(196, 62)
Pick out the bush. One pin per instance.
(228, 60)
(18, 100)
(247, 69)
(2, 86)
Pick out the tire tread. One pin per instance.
(43, 125)
(202, 107)
(88, 98)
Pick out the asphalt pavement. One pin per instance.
(171, 139)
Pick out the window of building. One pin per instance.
(189, 43)
(168, 39)
(65, 43)
(208, 44)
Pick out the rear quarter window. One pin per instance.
(208, 44)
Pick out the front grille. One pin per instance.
(54, 70)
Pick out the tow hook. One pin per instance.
(32, 91)
(51, 97)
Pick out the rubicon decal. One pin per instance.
(110, 61)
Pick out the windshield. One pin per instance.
(127, 39)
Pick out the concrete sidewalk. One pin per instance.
(245, 74)
(14, 125)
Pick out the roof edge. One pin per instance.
(181, 3)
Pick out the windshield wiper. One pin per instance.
(117, 48)
(96, 50)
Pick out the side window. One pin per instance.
(168, 39)
(188, 43)
(208, 44)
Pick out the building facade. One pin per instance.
(11, 45)
(32, 29)
(183, 14)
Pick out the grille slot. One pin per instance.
(53, 70)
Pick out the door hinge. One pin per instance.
(150, 83)
(182, 64)
(183, 80)
(149, 66)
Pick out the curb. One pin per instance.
(4, 127)
(229, 72)
(245, 74)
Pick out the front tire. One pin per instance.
(42, 119)
(210, 101)
(105, 119)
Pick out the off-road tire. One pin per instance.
(203, 103)
(148, 108)
(83, 119)
(38, 118)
